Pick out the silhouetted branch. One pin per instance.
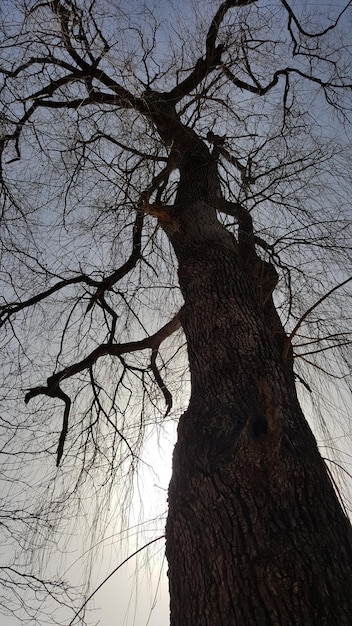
(308, 312)
(204, 66)
(130, 556)
(53, 390)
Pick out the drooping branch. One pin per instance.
(130, 556)
(152, 342)
(60, 448)
(308, 312)
(101, 408)
(53, 390)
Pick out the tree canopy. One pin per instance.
(98, 103)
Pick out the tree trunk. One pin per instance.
(255, 532)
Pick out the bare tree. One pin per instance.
(176, 222)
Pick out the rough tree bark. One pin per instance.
(255, 532)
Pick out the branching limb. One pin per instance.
(245, 170)
(293, 18)
(164, 390)
(9, 309)
(79, 70)
(261, 90)
(53, 390)
(131, 262)
(213, 52)
(246, 239)
(308, 312)
(157, 184)
(242, 215)
(152, 342)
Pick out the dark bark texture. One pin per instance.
(255, 532)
